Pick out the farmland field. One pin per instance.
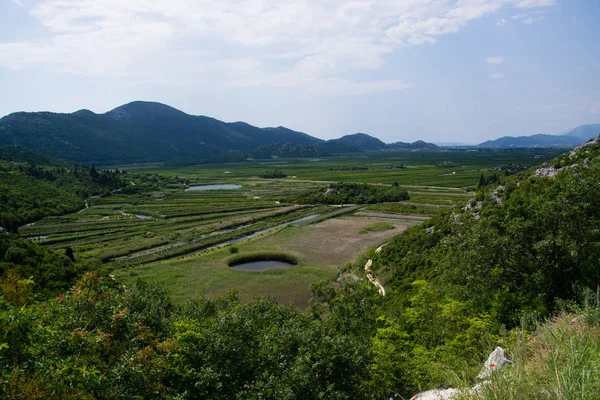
(184, 238)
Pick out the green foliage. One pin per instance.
(22, 154)
(263, 350)
(377, 227)
(100, 340)
(454, 281)
(233, 250)
(275, 174)
(29, 193)
(559, 360)
(354, 193)
(104, 340)
(51, 273)
(447, 164)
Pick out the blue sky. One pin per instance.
(400, 70)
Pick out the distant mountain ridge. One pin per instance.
(138, 131)
(147, 131)
(363, 142)
(572, 138)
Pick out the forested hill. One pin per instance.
(514, 251)
(360, 142)
(138, 131)
(24, 155)
(146, 131)
(29, 193)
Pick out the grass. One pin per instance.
(320, 250)
(377, 227)
(559, 360)
(420, 167)
(406, 208)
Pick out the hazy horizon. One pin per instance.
(438, 71)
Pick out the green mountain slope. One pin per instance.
(22, 154)
(138, 131)
(29, 193)
(458, 281)
(358, 142)
(361, 142)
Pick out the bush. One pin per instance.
(377, 227)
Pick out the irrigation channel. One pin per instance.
(227, 186)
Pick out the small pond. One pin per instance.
(227, 186)
(262, 262)
(261, 265)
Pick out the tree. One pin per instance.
(69, 253)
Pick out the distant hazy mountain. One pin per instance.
(357, 142)
(585, 132)
(572, 138)
(138, 131)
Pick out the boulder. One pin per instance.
(496, 360)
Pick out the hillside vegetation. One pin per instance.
(29, 193)
(22, 154)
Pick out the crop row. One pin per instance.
(209, 241)
(42, 230)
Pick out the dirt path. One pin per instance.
(373, 280)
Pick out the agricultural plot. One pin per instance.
(446, 168)
(134, 229)
(321, 248)
(182, 238)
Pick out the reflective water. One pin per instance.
(262, 265)
(213, 187)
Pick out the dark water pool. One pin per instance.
(262, 265)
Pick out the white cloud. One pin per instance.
(501, 22)
(530, 17)
(313, 44)
(19, 3)
(494, 60)
(496, 76)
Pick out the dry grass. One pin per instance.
(331, 243)
(560, 360)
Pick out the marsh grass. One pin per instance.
(377, 227)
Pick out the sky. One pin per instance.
(401, 70)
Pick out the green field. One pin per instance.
(180, 237)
